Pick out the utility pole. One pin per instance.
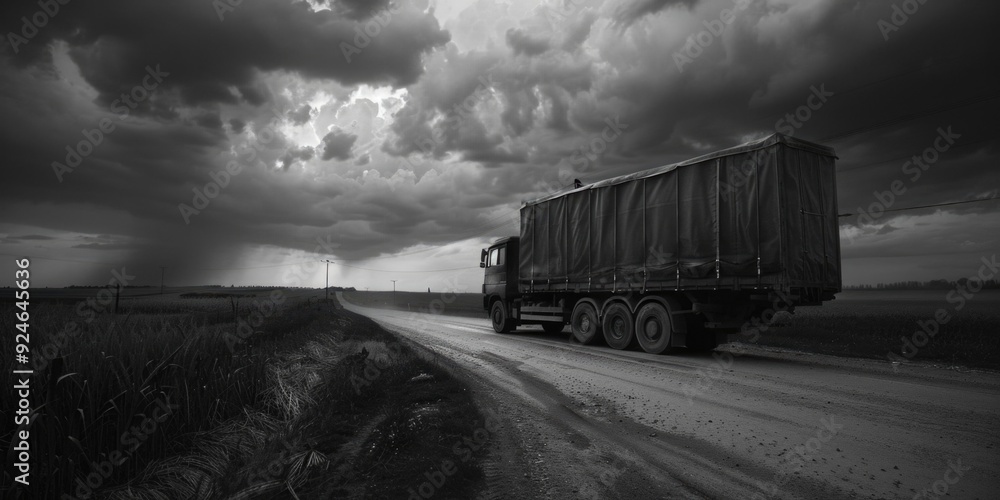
(393, 292)
(162, 270)
(328, 262)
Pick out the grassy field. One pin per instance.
(868, 324)
(268, 394)
(873, 324)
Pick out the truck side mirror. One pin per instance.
(482, 258)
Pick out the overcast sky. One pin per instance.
(404, 136)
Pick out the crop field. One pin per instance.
(452, 304)
(873, 324)
(261, 393)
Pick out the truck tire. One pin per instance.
(552, 327)
(653, 327)
(583, 323)
(619, 326)
(501, 321)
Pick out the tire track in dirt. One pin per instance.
(591, 422)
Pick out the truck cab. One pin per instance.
(500, 262)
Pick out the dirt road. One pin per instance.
(592, 422)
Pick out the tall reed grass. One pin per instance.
(118, 392)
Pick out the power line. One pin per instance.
(931, 205)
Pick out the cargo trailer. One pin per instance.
(675, 256)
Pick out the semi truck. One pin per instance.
(678, 256)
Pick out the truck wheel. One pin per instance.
(619, 326)
(653, 327)
(583, 323)
(501, 322)
(552, 327)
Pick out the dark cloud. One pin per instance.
(105, 246)
(578, 31)
(302, 115)
(209, 120)
(337, 144)
(522, 42)
(29, 237)
(634, 10)
(296, 154)
(359, 9)
(888, 228)
(113, 44)
(439, 140)
(237, 125)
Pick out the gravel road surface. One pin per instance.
(741, 422)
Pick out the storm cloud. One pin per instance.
(393, 129)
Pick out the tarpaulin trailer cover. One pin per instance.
(759, 215)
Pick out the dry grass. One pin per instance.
(102, 388)
(280, 415)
